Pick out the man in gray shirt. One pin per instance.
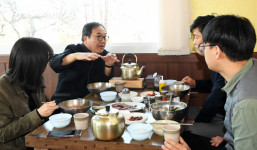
(228, 45)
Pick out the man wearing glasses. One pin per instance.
(208, 119)
(228, 45)
(83, 63)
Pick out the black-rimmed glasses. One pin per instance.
(202, 46)
(100, 38)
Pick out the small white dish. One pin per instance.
(132, 94)
(135, 115)
(60, 120)
(108, 96)
(143, 94)
(157, 128)
(140, 131)
(137, 99)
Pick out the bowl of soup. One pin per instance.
(163, 111)
(74, 106)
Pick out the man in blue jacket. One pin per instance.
(83, 63)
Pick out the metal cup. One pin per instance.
(148, 100)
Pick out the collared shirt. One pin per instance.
(241, 114)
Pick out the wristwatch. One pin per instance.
(108, 66)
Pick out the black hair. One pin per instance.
(200, 22)
(233, 34)
(87, 29)
(28, 59)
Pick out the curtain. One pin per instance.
(174, 27)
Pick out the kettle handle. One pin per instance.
(128, 54)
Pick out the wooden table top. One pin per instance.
(39, 140)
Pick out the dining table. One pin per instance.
(39, 138)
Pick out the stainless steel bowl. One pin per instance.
(177, 90)
(176, 112)
(75, 106)
(99, 87)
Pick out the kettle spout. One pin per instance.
(139, 72)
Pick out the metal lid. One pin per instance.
(107, 111)
(125, 91)
(129, 64)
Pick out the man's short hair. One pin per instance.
(87, 29)
(234, 35)
(200, 22)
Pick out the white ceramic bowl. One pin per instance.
(132, 94)
(140, 131)
(108, 96)
(157, 128)
(60, 120)
(129, 115)
(137, 99)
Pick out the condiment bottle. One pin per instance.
(119, 86)
(162, 83)
(125, 96)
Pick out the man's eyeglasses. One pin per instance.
(100, 38)
(202, 46)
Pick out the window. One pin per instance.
(131, 24)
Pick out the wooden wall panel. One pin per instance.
(4, 63)
(171, 67)
(2, 68)
(50, 79)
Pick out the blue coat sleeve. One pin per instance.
(215, 101)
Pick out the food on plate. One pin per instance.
(123, 106)
(134, 118)
(77, 107)
(151, 94)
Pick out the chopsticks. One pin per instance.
(183, 124)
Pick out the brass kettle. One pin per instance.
(108, 124)
(130, 70)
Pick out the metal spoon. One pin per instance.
(183, 124)
(171, 97)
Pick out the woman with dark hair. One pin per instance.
(22, 92)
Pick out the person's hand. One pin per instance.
(172, 145)
(215, 141)
(86, 56)
(110, 59)
(189, 81)
(47, 109)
